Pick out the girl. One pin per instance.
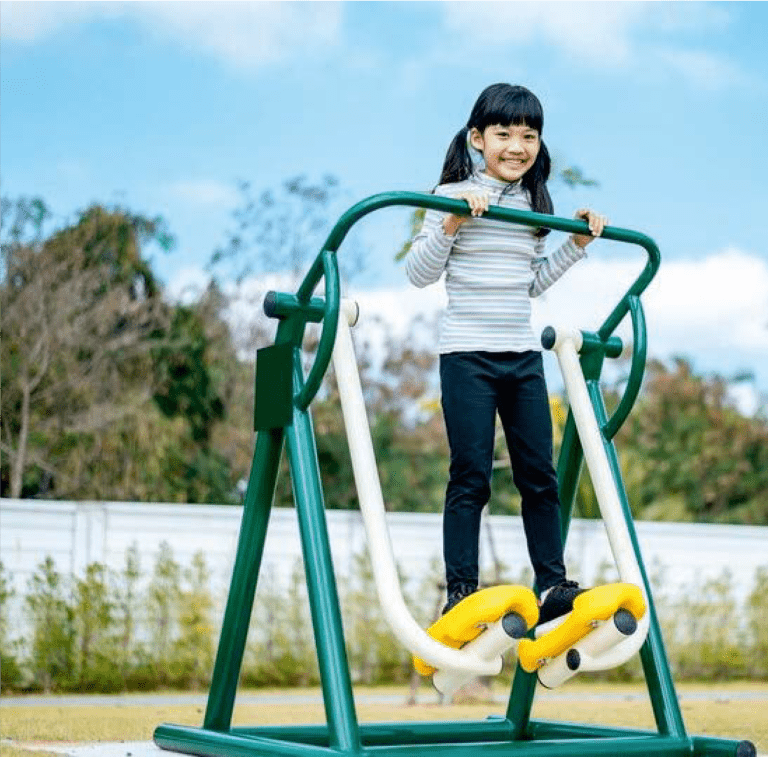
(490, 361)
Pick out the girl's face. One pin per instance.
(508, 151)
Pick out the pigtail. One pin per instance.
(458, 162)
(535, 181)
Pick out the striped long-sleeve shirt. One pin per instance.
(492, 269)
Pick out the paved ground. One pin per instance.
(103, 749)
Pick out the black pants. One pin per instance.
(475, 386)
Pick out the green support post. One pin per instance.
(282, 418)
(321, 584)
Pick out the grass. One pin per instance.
(721, 714)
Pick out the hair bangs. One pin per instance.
(507, 105)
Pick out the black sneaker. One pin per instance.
(558, 601)
(456, 595)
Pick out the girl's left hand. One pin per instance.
(596, 225)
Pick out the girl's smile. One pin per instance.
(508, 151)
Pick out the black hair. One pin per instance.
(505, 105)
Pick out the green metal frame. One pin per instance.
(284, 419)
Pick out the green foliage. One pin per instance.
(193, 646)
(710, 640)
(163, 596)
(374, 654)
(101, 632)
(94, 622)
(280, 649)
(126, 610)
(184, 385)
(109, 392)
(6, 593)
(52, 618)
(278, 229)
(10, 672)
(757, 626)
(690, 455)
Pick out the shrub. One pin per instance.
(53, 632)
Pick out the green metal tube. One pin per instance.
(250, 548)
(284, 305)
(197, 741)
(707, 746)
(627, 746)
(636, 371)
(321, 581)
(495, 212)
(701, 746)
(666, 707)
(328, 335)
(611, 347)
(380, 734)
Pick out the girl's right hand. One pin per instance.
(478, 203)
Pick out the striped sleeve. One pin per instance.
(547, 270)
(428, 256)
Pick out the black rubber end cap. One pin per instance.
(625, 621)
(270, 303)
(548, 338)
(746, 749)
(514, 625)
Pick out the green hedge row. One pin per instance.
(109, 631)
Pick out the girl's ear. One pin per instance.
(476, 139)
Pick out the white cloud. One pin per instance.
(713, 310)
(246, 34)
(204, 192)
(718, 303)
(705, 70)
(34, 21)
(187, 284)
(709, 306)
(242, 34)
(594, 31)
(625, 35)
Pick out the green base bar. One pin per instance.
(446, 739)
(398, 734)
(205, 743)
(705, 746)
(700, 746)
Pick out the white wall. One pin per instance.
(75, 534)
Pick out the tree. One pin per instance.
(692, 453)
(78, 309)
(110, 392)
(279, 231)
(53, 632)
(126, 609)
(193, 649)
(10, 673)
(163, 603)
(94, 615)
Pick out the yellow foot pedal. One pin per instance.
(589, 610)
(467, 620)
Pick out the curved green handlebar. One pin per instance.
(326, 265)
(635, 380)
(328, 335)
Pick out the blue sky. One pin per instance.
(163, 107)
